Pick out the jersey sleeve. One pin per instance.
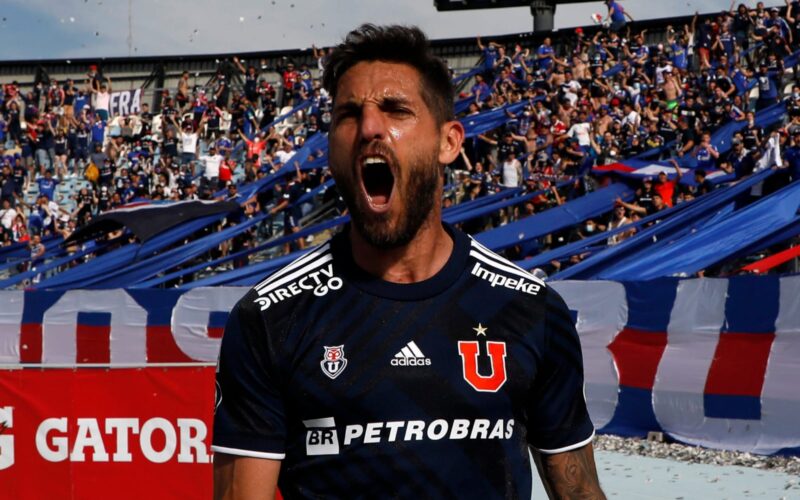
(558, 420)
(249, 416)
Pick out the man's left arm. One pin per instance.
(571, 474)
(560, 431)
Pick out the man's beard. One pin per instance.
(417, 196)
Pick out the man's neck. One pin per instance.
(417, 261)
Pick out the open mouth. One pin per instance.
(378, 180)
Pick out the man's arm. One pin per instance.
(243, 478)
(571, 474)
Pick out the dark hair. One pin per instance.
(394, 43)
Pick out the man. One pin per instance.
(321, 365)
(211, 167)
(616, 16)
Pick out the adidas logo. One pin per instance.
(410, 355)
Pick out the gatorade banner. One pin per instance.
(98, 433)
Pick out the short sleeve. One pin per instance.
(558, 420)
(249, 417)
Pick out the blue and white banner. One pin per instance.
(712, 362)
(126, 102)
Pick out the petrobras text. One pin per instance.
(322, 435)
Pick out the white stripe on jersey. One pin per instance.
(302, 260)
(248, 453)
(300, 272)
(502, 263)
(575, 446)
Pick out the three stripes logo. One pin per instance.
(410, 355)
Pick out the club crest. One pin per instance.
(333, 361)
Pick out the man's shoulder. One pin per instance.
(502, 275)
(310, 275)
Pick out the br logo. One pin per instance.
(333, 361)
(469, 363)
(6, 440)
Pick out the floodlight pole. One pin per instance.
(543, 12)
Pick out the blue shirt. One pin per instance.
(767, 86)
(618, 14)
(489, 56)
(792, 156)
(47, 186)
(545, 50)
(98, 131)
(80, 102)
(679, 56)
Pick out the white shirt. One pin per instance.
(102, 100)
(632, 119)
(510, 173)
(7, 217)
(189, 142)
(581, 131)
(284, 157)
(212, 164)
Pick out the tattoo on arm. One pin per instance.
(570, 475)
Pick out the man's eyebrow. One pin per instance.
(395, 100)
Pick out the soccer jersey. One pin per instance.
(365, 388)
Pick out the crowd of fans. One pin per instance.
(605, 97)
(613, 96)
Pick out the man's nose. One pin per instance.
(373, 124)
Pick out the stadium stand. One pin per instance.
(667, 148)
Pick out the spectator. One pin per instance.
(211, 168)
(102, 100)
(47, 185)
(616, 16)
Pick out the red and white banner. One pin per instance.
(98, 433)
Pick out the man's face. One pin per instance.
(387, 151)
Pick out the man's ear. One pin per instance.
(452, 137)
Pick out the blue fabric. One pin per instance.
(556, 218)
(642, 243)
(700, 249)
(490, 120)
(467, 206)
(322, 226)
(580, 246)
(469, 74)
(77, 276)
(246, 276)
(143, 269)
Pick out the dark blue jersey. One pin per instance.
(365, 388)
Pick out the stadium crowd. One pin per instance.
(610, 97)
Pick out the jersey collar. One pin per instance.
(436, 284)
